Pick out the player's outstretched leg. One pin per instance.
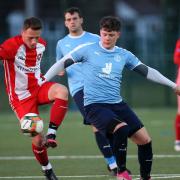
(177, 133)
(145, 157)
(40, 153)
(120, 150)
(49, 174)
(107, 152)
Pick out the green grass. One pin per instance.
(76, 140)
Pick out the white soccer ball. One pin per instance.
(31, 124)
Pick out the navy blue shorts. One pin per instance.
(79, 100)
(101, 115)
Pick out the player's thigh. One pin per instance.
(126, 115)
(141, 137)
(43, 96)
(79, 100)
(29, 105)
(100, 116)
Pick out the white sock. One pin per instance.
(51, 131)
(47, 167)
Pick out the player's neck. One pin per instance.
(76, 33)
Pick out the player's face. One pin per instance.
(73, 22)
(109, 38)
(30, 37)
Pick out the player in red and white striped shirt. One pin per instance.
(177, 120)
(21, 57)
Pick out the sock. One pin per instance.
(111, 162)
(58, 111)
(145, 157)
(111, 140)
(177, 127)
(47, 167)
(120, 147)
(40, 154)
(105, 149)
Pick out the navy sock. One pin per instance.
(145, 157)
(111, 140)
(105, 148)
(120, 147)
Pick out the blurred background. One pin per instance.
(150, 29)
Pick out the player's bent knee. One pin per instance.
(141, 137)
(94, 129)
(114, 125)
(119, 126)
(59, 91)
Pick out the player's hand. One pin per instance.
(177, 90)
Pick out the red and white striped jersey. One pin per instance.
(22, 68)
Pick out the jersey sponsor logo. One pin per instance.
(21, 58)
(28, 69)
(107, 69)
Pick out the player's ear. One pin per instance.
(82, 20)
(22, 32)
(65, 24)
(119, 34)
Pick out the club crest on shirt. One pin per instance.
(117, 58)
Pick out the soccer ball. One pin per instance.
(31, 124)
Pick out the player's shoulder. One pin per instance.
(13, 42)
(92, 34)
(62, 40)
(42, 41)
(85, 46)
(123, 51)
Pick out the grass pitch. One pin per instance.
(77, 156)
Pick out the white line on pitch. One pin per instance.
(154, 176)
(80, 157)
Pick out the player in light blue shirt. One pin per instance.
(76, 37)
(67, 44)
(102, 66)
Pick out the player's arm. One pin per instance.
(59, 66)
(156, 76)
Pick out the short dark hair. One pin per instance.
(73, 10)
(110, 23)
(33, 23)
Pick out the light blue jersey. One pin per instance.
(74, 72)
(102, 70)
